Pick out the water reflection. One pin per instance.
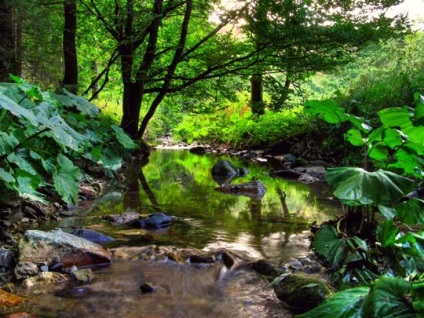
(180, 183)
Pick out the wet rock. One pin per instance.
(255, 189)
(201, 259)
(26, 269)
(93, 236)
(7, 259)
(43, 279)
(57, 247)
(301, 292)
(266, 268)
(83, 276)
(317, 172)
(124, 218)
(147, 287)
(223, 172)
(227, 259)
(154, 221)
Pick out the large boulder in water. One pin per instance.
(57, 247)
(301, 292)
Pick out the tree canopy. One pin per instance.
(164, 47)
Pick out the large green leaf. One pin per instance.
(28, 185)
(123, 138)
(343, 304)
(328, 244)
(387, 298)
(16, 109)
(410, 211)
(65, 179)
(64, 135)
(72, 100)
(328, 110)
(401, 117)
(357, 186)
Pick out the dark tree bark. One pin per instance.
(256, 94)
(7, 43)
(70, 79)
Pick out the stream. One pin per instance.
(180, 184)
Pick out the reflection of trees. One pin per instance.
(182, 185)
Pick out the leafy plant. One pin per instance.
(49, 140)
(387, 297)
(374, 237)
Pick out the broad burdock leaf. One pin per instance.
(28, 185)
(123, 138)
(387, 298)
(343, 304)
(17, 110)
(7, 178)
(401, 118)
(355, 186)
(328, 110)
(83, 105)
(65, 179)
(62, 133)
(410, 211)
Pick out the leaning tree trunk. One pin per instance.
(256, 94)
(70, 80)
(7, 43)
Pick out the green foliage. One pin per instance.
(387, 297)
(44, 134)
(397, 144)
(358, 248)
(238, 126)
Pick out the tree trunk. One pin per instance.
(70, 80)
(7, 44)
(131, 105)
(256, 94)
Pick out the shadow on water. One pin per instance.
(180, 184)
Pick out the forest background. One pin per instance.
(323, 78)
(236, 73)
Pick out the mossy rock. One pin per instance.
(301, 292)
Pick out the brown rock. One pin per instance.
(40, 247)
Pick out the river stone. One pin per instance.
(56, 246)
(301, 292)
(154, 221)
(43, 279)
(223, 172)
(83, 276)
(92, 236)
(6, 259)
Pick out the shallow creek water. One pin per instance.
(179, 183)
